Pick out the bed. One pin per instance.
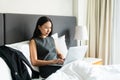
(80, 70)
(17, 29)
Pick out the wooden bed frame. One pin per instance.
(20, 27)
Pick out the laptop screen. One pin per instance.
(75, 53)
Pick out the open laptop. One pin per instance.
(74, 53)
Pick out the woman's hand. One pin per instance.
(58, 61)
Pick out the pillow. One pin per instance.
(21, 46)
(24, 48)
(55, 36)
(60, 43)
(17, 45)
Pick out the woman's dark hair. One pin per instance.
(40, 22)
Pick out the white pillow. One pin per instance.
(17, 45)
(61, 44)
(24, 48)
(21, 46)
(55, 36)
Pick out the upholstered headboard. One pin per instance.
(20, 27)
(1, 30)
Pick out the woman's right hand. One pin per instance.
(58, 61)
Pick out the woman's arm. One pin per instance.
(59, 54)
(33, 56)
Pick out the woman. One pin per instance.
(43, 52)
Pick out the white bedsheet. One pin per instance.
(80, 70)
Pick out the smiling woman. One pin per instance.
(43, 51)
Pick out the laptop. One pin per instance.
(74, 53)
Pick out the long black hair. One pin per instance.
(40, 22)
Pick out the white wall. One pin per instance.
(48, 7)
(80, 9)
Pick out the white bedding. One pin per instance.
(80, 70)
(77, 70)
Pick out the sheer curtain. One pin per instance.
(115, 46)
(99, 28)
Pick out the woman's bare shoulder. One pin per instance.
(32, 41)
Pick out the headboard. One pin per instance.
(1, 30)
(20, 27)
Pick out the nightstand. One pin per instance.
(95, 61)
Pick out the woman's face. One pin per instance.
(45, 29)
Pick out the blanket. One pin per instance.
(80, 70)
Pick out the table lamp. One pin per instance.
(80, 34)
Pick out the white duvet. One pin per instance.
(80, 70)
